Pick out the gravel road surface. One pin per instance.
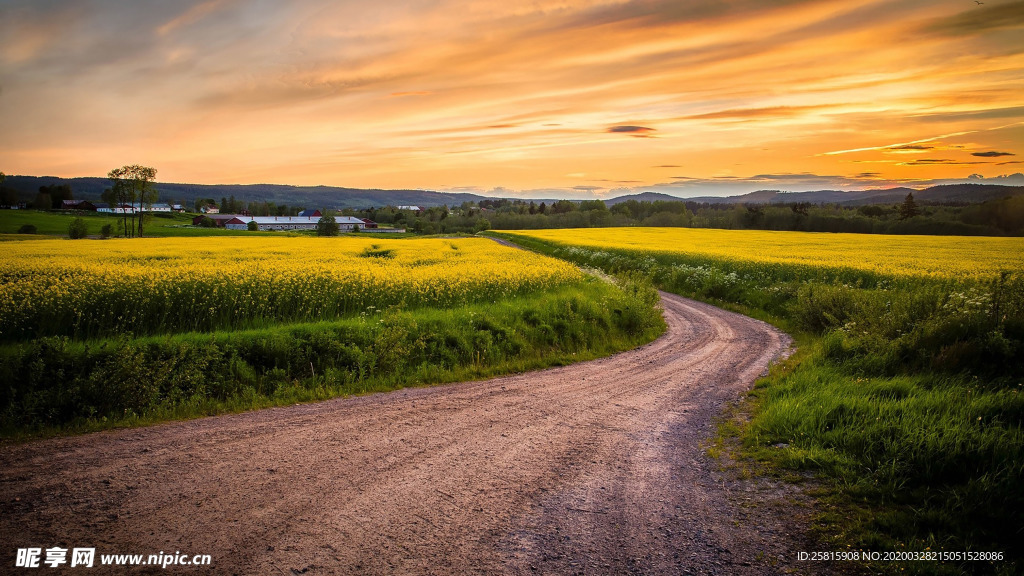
(595, 468)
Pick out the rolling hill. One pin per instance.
(339, 197)
(306, 196)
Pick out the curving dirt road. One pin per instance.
(595, 468)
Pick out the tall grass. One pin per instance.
(57, 383)
(908, 396)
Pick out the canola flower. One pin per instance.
(948, 257)
(160, 285)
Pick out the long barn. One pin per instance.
(294, 222)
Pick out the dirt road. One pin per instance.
(595, 468)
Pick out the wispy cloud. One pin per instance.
(936, 161)
(190, 16)
(910, 148)
(747, 113)
(899, 146)
(637, 131)
(980, 19)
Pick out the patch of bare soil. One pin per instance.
(595, 468)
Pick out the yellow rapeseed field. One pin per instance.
(923, 256)
(154, 285)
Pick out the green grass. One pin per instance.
(56, 385)
(159, 225)
(905, 400)
(918, 462)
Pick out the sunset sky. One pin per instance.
(570, 98)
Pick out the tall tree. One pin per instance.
(909, 208)
(327, 226)
(43, 201)
(133, 184)
(8, 196)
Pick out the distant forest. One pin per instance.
(1001, 217)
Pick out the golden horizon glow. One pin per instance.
(571, 98)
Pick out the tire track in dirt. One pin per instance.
(595, 468)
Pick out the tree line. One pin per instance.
(1003, 217)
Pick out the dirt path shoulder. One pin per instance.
(595, 468)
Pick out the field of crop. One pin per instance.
(906, 394)
(100, 333)
(923, 256)
(151, 286)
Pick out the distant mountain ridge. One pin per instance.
(969, 193)
(306, 196)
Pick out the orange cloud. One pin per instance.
(412, 93)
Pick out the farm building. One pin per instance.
(220, 219)
(295, 222)
(152, 207)
(115, 209)
(77, 205)
(132, 208)
(310, 213)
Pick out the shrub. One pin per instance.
(27, 229)
(78, 229)
(106, 231)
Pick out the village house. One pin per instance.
(115, 209)
(77, 205)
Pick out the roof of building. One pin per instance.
(349, 220)
(294, 219)
(281, 219)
